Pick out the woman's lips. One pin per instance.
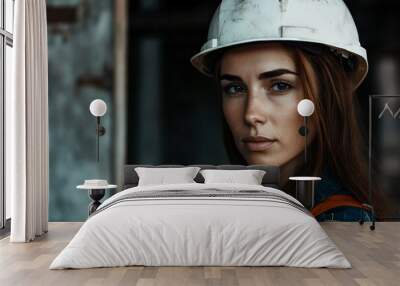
(258, 143)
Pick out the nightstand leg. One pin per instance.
(96, 195)
(300, 189)
(312, 195)
(305, 193)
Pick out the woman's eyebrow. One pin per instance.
(230, 77)
(275, 73)
(264, 75)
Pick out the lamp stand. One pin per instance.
(100, 131)
(303, 131)
(306, 139)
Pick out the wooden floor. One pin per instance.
(374, 255)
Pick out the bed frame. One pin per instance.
(270, 179)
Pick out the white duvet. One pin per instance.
(200, 231)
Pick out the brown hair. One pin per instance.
(338, 144)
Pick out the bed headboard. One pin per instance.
(270, 179)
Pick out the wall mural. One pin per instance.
(175, 115)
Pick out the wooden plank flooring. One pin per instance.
(375, 256)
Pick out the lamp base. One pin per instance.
(303, 131)
(100, 130)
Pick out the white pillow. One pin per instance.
(248, 177)
(162, 176)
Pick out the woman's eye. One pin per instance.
(234, 89)
(281, 86)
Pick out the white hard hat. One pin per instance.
(327, 22)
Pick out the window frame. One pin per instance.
(6, 39)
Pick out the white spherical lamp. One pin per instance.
(305, 107)
(98, 107)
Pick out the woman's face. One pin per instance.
(261, 90)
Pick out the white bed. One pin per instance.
(249, 225)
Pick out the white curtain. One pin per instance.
(27, 123)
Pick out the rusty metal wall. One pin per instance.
(80, 41)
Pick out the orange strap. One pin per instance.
(334, 202)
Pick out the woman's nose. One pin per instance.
(254, 113)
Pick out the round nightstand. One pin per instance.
(305, 190)
(96, 193)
